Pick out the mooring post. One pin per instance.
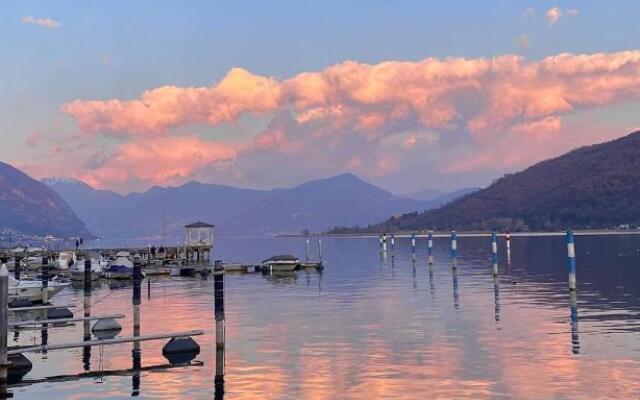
(454, 244)
(218, 290)
(430, 248)
(86, 351)
(16, 267)
(220, 331)
(384, 242)
(413, 245)
(571, 261)
(136, 355)
(494, 252)
(393, 245)
(45, 280)
(307, 249)
(4, 327)
(319, 249)
(508, 239)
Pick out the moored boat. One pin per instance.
(98, 263)
(65, 260)
(32, 289)
(120, 268)
(281, 263)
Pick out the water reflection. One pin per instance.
(456, 294)
(496, 298)
(367, 336)
(575, 338)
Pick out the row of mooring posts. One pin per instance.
(494, 251)
(575, 342)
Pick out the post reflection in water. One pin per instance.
(496, 297)
(218, 294)
(415, 284)
(432, 287)
(575, 337)
(136, 353)
(392, 341)
(456, 296)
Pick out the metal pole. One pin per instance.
(319, 249)
(307, 250)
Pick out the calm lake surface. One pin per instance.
(367, 328)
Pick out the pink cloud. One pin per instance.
(349, 109)
(164, 107)
(159, 161)
(553, 15)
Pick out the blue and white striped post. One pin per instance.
(454, 244)
(413, 245)
(571, 261)
(430, 247)
(494, 252)
(384, 242)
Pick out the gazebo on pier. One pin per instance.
(198, 241)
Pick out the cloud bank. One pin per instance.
(344, 114)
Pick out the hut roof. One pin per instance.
(199, 224)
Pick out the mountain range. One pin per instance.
(596, 186)
(318, 205)
(27, 207)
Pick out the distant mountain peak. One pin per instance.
(61, 180)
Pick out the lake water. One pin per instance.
(367, 328)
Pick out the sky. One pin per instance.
(406, 94)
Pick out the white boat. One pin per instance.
(65, 259)
(281, 263)
(97, 269)
(32, 289)
(120, 268)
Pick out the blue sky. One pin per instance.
(117, 50)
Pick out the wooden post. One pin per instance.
(86, 351)
(45, 280)
(136, 355)
(16, 268)
(4, 328)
